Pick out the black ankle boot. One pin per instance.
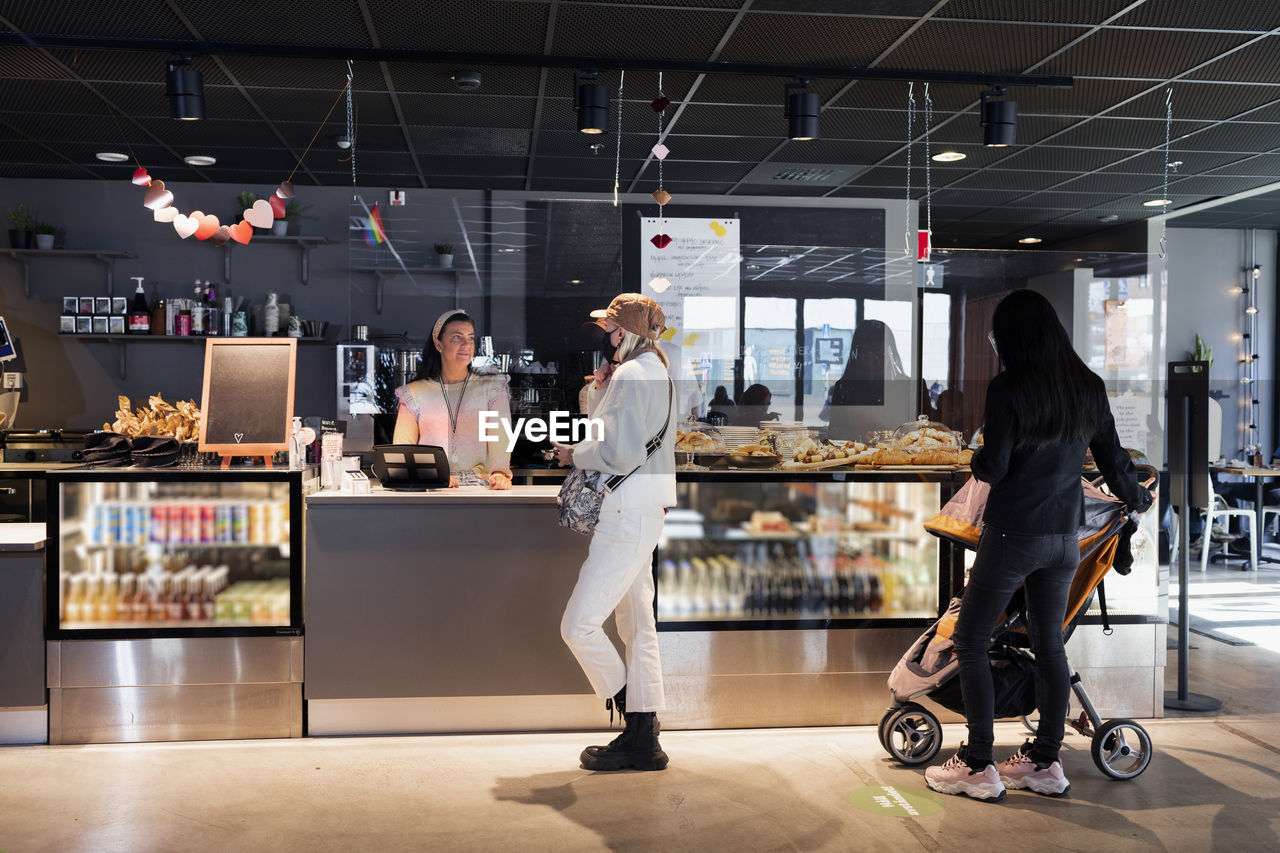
(637, 748)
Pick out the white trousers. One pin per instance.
(617, 577)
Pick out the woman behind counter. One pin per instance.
(442, 406)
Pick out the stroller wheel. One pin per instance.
(884, 722)
(1121, 749)
(912, 735)
(1033, 725)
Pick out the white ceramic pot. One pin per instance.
(280, 227)
(44, 241)
(446, 261)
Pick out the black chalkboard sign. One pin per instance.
(247, 406)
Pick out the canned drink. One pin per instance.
(258, 522)
(239, 523)
(111, 528)
(275, 524)
(159, 530)
(128, 524)
(208, 524)
(191, 524)
(98, 524)
(222, 523)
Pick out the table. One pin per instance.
(1259, 474)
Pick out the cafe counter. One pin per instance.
(440, 611)
(783, 599)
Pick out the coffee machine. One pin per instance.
(357, 395)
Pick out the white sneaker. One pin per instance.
(1019, 771)
(955, 777)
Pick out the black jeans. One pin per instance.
(1046, 563)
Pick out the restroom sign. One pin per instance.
(397, 198)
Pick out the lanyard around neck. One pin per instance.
(448, 404)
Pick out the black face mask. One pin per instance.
(607, 349)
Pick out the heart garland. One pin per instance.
(661, 196)
(205, 226)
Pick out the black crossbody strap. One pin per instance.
(651, 446)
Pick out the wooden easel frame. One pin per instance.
(266, 451)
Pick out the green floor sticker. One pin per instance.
(896, 802)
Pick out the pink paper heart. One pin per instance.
(661, 240)
(277, 206)
(208, 225)
(157, 196)
(260, 215)
(185, 225)
(222, 235)
(241, 232)
(165, 214)
(285, 190)
(140, 177)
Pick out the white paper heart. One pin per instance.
(239, 436)
(660, 285)
(260, 215)
(185, 225)
(661, 151)
(165, 214)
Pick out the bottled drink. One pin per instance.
(271, 315)
(212, 325)
(197, 310)
(157, 314)
(139, 313)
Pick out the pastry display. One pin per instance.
(179, 420)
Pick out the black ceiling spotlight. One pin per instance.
(185, 88)
(999, 120)
(802, 110)
(590, 102)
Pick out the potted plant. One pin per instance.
(44, 235)
(24, 223)
(294, 213)
(244, 201)
(445, 252)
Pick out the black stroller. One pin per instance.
(912, 734)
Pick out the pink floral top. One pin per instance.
(423, 418)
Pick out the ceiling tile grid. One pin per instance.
(1089, 150)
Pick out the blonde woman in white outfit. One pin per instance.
(617, 576)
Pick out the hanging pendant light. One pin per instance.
(802, 109)
(999, 120)
(591, 103)
(184, 87)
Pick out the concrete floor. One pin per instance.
(1214, 784)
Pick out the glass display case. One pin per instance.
(159, 553)
(815, 549)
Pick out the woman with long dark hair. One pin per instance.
(1043, 410)
(875, 391)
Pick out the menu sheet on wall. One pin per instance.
(701, 262)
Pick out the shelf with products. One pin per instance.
(104, 257)
(780, 550)
(148, 553)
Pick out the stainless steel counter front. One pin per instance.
(440, 611)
